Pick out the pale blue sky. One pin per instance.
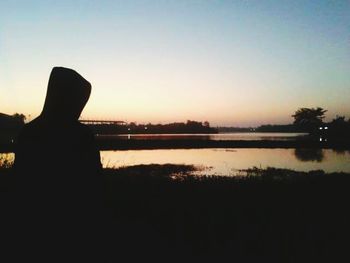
(229, 62)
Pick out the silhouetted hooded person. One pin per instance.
(57, 129)
(57, 164)
(56, 144)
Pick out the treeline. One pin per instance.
(10, 125)
(307, 120)
(338, 128)
(235, 129)
(265, 128)
(280, 128)
(311, 120)
(190, 127)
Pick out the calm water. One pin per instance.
(228, 161)
(251, 136)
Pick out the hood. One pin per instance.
(67, 95)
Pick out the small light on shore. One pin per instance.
(326, 128)
(321, 128)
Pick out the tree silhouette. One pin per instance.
(339, 120)
(309, 118)
(19, 117)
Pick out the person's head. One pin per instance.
(67, 94)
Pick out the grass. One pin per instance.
(266, 215)
(273, 215)
(174, 171)
(6, 161)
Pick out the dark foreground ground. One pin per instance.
(273, 215)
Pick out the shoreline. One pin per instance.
(210, 216)
(114, 144)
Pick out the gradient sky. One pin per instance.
(233, 62)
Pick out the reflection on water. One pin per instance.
(244, 136)
(307, 155)
(229, 161)
(341, 151)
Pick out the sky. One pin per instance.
(232, 63)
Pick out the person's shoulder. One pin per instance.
(29, 134)
(84, 129)
(30, 128)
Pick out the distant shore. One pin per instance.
(115, 144)
(105, 144)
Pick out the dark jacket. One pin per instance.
(56, 148)
(58, 173)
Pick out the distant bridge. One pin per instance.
(100, 122)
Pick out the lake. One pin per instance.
(235, 136)
(229, 161)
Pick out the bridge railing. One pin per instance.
(100, 122)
